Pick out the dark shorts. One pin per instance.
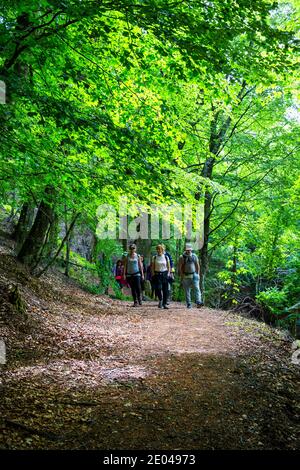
(159, 279)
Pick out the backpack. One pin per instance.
(189, 263)
(170, 259)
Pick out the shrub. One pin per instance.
(274, 301)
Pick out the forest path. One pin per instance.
(93, 373)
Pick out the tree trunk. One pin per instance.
(234, 276)
(34, 241)
(218, 131)
(68, 249)
(68, 245)
(216, 140)
(24, 223)
(203, 254)
(67, 260)
(274, 247)
(52, 260)
(51, 242)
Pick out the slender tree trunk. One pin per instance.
(93, 252)
(34, 241)
(68, 249)
(204, 250)
(52, 260)
(234, 275)
(218, 131)
(51, 242)
(216, 141)
(203, 255)
(67, 260)
(273, 250)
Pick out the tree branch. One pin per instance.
(239, 200)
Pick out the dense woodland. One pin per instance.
(162, 102)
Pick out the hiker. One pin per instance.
(119, 274)
(189, 270)
(171, 276)
(134, 273)
(161, 272)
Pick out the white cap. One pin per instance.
(188, 246)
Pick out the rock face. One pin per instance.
(82, 242)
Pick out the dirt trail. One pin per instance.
(87, 372)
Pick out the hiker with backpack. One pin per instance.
(161, 272)
(189, 270)
(134, 273)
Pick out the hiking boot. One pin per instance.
(135, 304)
(189, 306)
(160, 304)
(200, 304)
(166, 307)
(140, 301)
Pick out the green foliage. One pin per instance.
(84, 272)
(81, 261)
(178, 291)
(163, 103)
(105, 250)
(273, 299)
(276, 301)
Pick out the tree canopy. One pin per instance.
(160, 102)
